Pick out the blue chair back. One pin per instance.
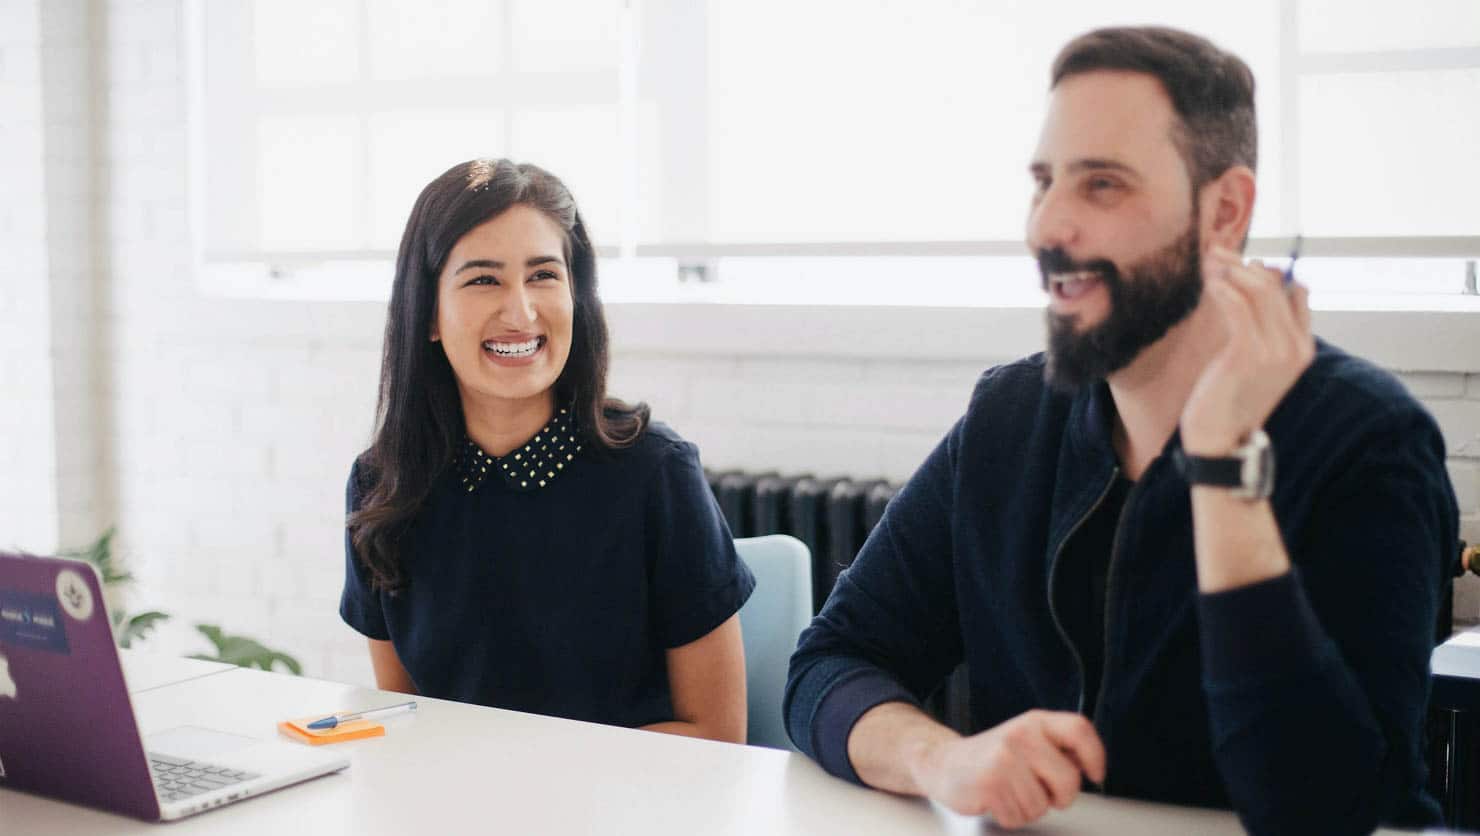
(773, 618)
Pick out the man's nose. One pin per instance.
(1051, 222)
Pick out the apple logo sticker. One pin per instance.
(72, 592)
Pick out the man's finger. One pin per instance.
(1004, 807)
(1031, 796)
(1300, 308)
(1264, 292)
(1074, 734)
(1057, 770)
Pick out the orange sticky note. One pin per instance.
(298, 729)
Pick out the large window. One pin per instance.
(754, 135)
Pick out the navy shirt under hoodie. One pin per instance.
(553, 579)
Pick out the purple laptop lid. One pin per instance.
(67, 728)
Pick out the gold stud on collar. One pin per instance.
(535, 459)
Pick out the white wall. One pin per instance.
(73, 105)
(228, 426)
(28, 374)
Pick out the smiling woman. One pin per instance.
(504, 316)
(516, 538)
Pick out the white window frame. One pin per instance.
(1430, 333)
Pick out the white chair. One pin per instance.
(777, 612)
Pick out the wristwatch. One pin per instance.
(1249, 472)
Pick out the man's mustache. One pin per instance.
(1056, 260)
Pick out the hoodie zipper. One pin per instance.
(1097, 719)
(1053, 574)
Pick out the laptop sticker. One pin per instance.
(7, 684)
(32, 621)
(76, 598)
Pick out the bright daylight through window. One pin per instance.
(720, 154)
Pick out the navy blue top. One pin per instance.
(1298, 701)
(560, 599)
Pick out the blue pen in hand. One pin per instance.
(334, 720)
(1294, 254)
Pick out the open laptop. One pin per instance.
(67, 727)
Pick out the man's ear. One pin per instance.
(1226, 205)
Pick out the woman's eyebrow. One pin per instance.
(479, 262)
(490, 264)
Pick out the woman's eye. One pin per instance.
(484, 280)
(1100, 184)
(545, 274)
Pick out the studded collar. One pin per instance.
(526, 468)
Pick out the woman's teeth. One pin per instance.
(523, 349)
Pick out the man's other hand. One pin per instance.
(1269, 345)
(1016, 770)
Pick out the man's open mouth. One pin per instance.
(1073, 285)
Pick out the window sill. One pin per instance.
(1406, 334)
(1402, 332)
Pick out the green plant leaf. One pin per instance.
(140, 626)
(100, 554)
(244, 652)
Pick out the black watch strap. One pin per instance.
(1197, 470)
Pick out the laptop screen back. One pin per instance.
(67, 728)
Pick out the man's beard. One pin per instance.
(1158, 292)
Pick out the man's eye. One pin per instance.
(1101, 183)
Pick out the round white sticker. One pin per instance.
(72, 592)
(7, 689)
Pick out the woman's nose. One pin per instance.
(518, 310)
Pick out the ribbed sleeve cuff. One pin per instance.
(840, 709)
(1259, 632)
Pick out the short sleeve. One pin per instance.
(359, 604)
(698, 581)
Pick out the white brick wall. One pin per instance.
(230, 425)
(28, 493)
(67, 47)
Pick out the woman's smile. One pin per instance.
(515, 350)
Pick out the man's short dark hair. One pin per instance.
(1211, 90)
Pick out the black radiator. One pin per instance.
(833, 517)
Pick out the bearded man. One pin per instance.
(1144, 601)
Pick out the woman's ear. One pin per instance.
(1226, 208)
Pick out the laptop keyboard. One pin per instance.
(178, 778)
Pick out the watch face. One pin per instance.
(1266, 471)
(1258, 467)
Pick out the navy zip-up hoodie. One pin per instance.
(1298, 701)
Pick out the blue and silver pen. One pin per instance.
(334, 720)
(1294, 254)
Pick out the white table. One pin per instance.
(147, 671)
(455, 768)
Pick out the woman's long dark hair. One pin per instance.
(418, 418)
